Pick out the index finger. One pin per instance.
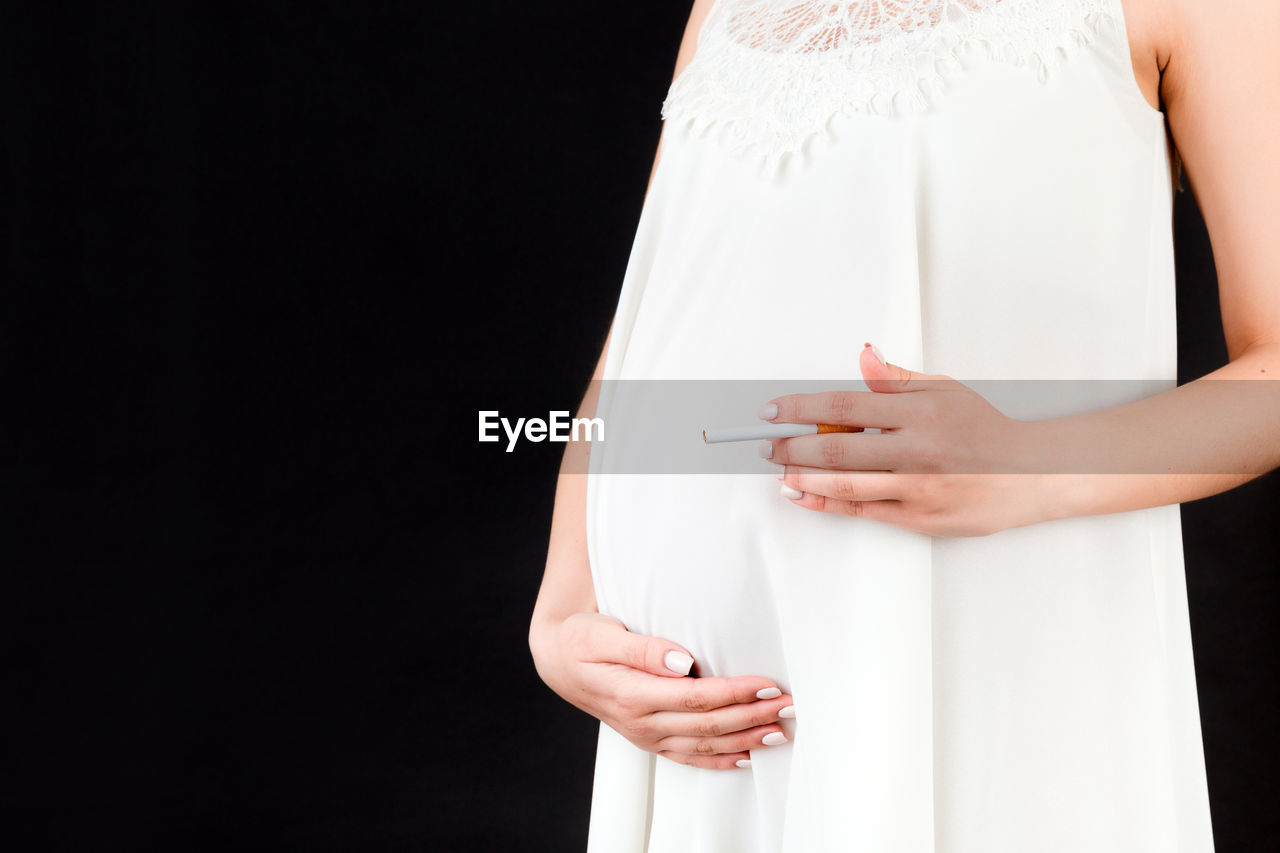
(696, 695)
(846, 408)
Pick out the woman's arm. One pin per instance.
(635, 683)
(1219, 66)
(1223, 107)
(566, 580)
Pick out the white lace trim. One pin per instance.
(773, 73)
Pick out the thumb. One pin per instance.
(612, 642)
(889, 378)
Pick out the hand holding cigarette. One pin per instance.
(917, 472)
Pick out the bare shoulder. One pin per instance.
(689, 43)
(1223, 112)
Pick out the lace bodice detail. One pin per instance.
(774, 72)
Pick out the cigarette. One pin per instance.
(716, 435)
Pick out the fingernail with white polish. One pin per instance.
(744, 763)
(793, 494)
(678, 662)
(875, 350)
(779, 471)
(774, 738)
(766, 449)
(788, 712)
(768, 693)
(768, 411)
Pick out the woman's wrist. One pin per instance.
(1056, 489)
(1077, 476)
(542, 632)
(547, 640)
(1067, 495)
(1048, 453)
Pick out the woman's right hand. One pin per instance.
(638, 686)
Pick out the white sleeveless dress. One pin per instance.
(982, 190)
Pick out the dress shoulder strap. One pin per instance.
(775, 71)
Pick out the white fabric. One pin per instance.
(777, 70)
(1032, 690)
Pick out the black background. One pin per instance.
(262, 264)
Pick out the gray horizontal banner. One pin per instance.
(713, 427)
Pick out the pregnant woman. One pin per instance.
(962, 626)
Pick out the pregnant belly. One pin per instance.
(685, 557)
(835, 610)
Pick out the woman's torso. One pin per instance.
(1026, 690)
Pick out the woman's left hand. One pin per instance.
(940, 465)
